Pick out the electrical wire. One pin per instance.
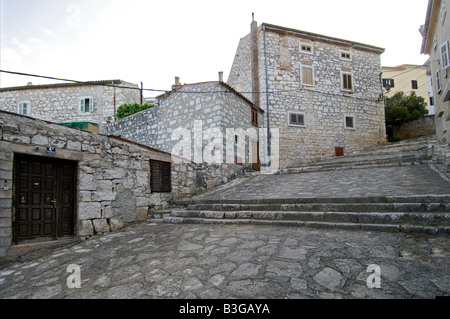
(275, 92)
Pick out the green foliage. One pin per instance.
(401, 108)
(127, 109)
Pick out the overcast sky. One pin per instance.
(154, 41)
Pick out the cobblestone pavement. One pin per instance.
(235, 261)
(395, 181)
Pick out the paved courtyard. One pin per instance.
(216, 261)
(248, 261)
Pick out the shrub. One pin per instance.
(128, 109)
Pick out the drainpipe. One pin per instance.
(267, 97)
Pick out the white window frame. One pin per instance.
(20, 108)
(345, 52)
(345, 122)
(342, 81)
(306, 44)
(82, 106)
(438, 81)
(445, 61)
(301, 75)
(297, 113)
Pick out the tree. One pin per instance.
(401, 108)
(128, 109)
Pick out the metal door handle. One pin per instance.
(53, 201)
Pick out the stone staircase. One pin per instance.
(418, 214)
(426, 214)
(410, 152)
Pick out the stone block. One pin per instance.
(87, 182)
(39, 140)
(115, 224)
(89, 210)
(86, 228)
(100, 226)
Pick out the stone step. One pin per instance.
(407, 228)
(427, 219)
(324, 207)
(442, 199)
(352, 162)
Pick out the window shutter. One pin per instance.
(82, 101)
(445, 56)
(91, 105)
(161, 177)
(166, 178)
(307, 75)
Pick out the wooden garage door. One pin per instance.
(44, 198)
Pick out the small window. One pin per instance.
(296, 119)
(86, 105)
(254, 117)
(349, 122)
(25, 108)
(445, 61)
(306, 48)
(438, 81)
(431, 101)
(307, 75)
(388, 83)
(345, 55)
(414, 84)
(160, 177)
(347, 81)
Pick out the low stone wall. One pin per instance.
(422, 127)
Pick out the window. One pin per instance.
(414, 84)
(438, 81)
(431, 101)
(296, 119)
(306, 48)
(160, 177)
(86, 105)
(349, 122)
(24, 108)
(345, 55)
(307, 76)
(445, 62)
(254, 117)
(347, 81)
(388, 83)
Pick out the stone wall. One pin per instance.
(113, 175)
(423, 126)
(61, 104)
(204, 112)
(324, 103)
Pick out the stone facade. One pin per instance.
(199, 114)
(60, 103)
(113, 175)
(436, 44)
(318, 96)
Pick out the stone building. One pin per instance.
(408, 78)
(60, 183)
(81, 104)
(323, 94)
(436, 36)
(211, 119)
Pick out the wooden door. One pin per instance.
(256, 164)
(44, 198)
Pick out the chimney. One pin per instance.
(177, 84)
(255, 60)
(221, 76)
